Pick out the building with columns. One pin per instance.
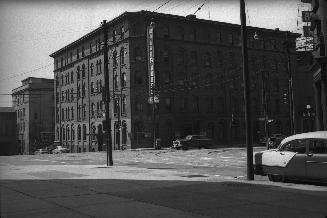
(319, 28)
(191, 68)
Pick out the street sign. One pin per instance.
(306, 16)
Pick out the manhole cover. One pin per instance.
(194, 175)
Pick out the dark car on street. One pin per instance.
(194, 141)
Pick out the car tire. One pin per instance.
(275, 178)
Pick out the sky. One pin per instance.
(31, 30)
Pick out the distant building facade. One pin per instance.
(34, 105)
(8, 131)
(197, 79)
(319, 28)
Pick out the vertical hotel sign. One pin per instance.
(152, 80)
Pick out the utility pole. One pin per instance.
(250, 170)
(107, 96)
(288, 45)
(264, 101)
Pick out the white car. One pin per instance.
(59, 150)
(302, 156)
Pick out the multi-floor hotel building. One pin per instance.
(190, 68)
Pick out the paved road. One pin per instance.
(165, 183)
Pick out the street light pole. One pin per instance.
(288, 45)
(250, 171)
(107, 95)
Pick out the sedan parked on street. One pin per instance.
(59, 150)
(302, 156)
(194, 141)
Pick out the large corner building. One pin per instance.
(191, 69)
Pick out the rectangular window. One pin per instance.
(230, 38)
(82, 51)
(77, 53)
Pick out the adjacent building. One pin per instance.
(319, 28)
(34, 105)
(170, 76)
(8, 133)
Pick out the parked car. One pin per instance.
(302, 156)
(42, 151)
(274, 140)
(59, 150)
(193, 141)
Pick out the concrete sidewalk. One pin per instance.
(146, 198)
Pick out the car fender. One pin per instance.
(277, 158)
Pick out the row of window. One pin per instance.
(218, 36)
(80, 52)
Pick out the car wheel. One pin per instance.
(276, 178)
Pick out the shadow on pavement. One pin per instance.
(144, 198)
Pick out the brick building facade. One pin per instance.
(198, 78)
(33, 103)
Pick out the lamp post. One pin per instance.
(107, 97)
(250, 171)
(287, 45)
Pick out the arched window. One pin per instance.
(84, 132)
(124, 104)
(116, 81)
(92, 109)
(79, 132)
(124, 133)
(72, 94)
(57, 133)
(93, 132)
(63, 133)
(83, 71)
(123, 80)
(91, 69)
(114, 58)
(122, 56)
(78, 73)
(72, 132)
(72, 111)
(67, 132)
(92, 87)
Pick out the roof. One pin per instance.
(155, 15)
(311, 135)
(7, 109)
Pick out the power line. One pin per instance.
(27, 72)
(162, 5)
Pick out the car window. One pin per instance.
(318, 146)
(298, 146)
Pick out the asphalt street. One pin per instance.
(150, 183)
